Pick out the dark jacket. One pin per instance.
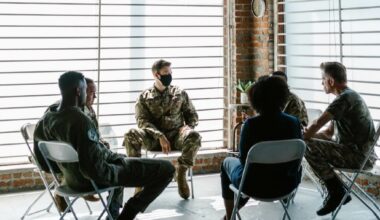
(95, 160)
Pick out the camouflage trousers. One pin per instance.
(188, 142)
(322, 155)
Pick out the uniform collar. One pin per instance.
(156, 92)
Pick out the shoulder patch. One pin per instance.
(93, 135)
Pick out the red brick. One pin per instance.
(22, 183)
(16, 175)
(5, 184)
(5, 176)
(373, 191)
(27, 175)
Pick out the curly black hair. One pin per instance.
(268, 94)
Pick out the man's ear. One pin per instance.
(156, 75)
(331, 81)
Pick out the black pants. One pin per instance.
(151, 174)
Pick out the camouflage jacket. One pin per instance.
(296, 107)
(95, 160)
(159, 113)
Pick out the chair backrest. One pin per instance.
(273, 152)
(58, 151)
(27, 131)
(313, 114)
(371, 148)
(377, 134)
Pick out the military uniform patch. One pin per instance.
(93, 135)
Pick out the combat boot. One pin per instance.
(183, 188)
(336, 192)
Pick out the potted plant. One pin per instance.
(243, 87)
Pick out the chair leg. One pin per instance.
(368, 197)
(238, 215)
(108, 204)
(236, 207)
(88, 206)
(315, 182)
(33, 203)
(364, 203)
(105, 207)
(47, 209)
(286, 214)
(69, 208)
(349, 188)
(348, 192)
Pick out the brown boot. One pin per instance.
(60, 202)
(91, 198)
(183, 188)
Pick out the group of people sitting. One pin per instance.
(166, 119)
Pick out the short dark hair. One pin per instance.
(280, 73)
(159, 64)
(89, 80)
(335, 70)
(268, 94)
(69, 80)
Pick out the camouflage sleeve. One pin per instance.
(95, 160)
(297, 108)
(189, 113)
(144, 119)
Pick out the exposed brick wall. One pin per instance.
(20, 179)
(24, 179)
(252, 47)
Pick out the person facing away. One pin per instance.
(268, 97)
(69, 124)
(294, 105)
(89, 111)
(88, 107)
(351, 122)
(166, 119)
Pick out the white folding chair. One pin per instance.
(154, 154)
(350, 182)
(64, 153)
(27, 131)
(270, 152)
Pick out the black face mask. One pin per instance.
(166, 79)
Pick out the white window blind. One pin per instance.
(41, 39)
(347, 31)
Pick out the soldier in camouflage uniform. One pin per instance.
(89, 110)
(294, 106)
(352, 124)
(166, 119)
(69, 124)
